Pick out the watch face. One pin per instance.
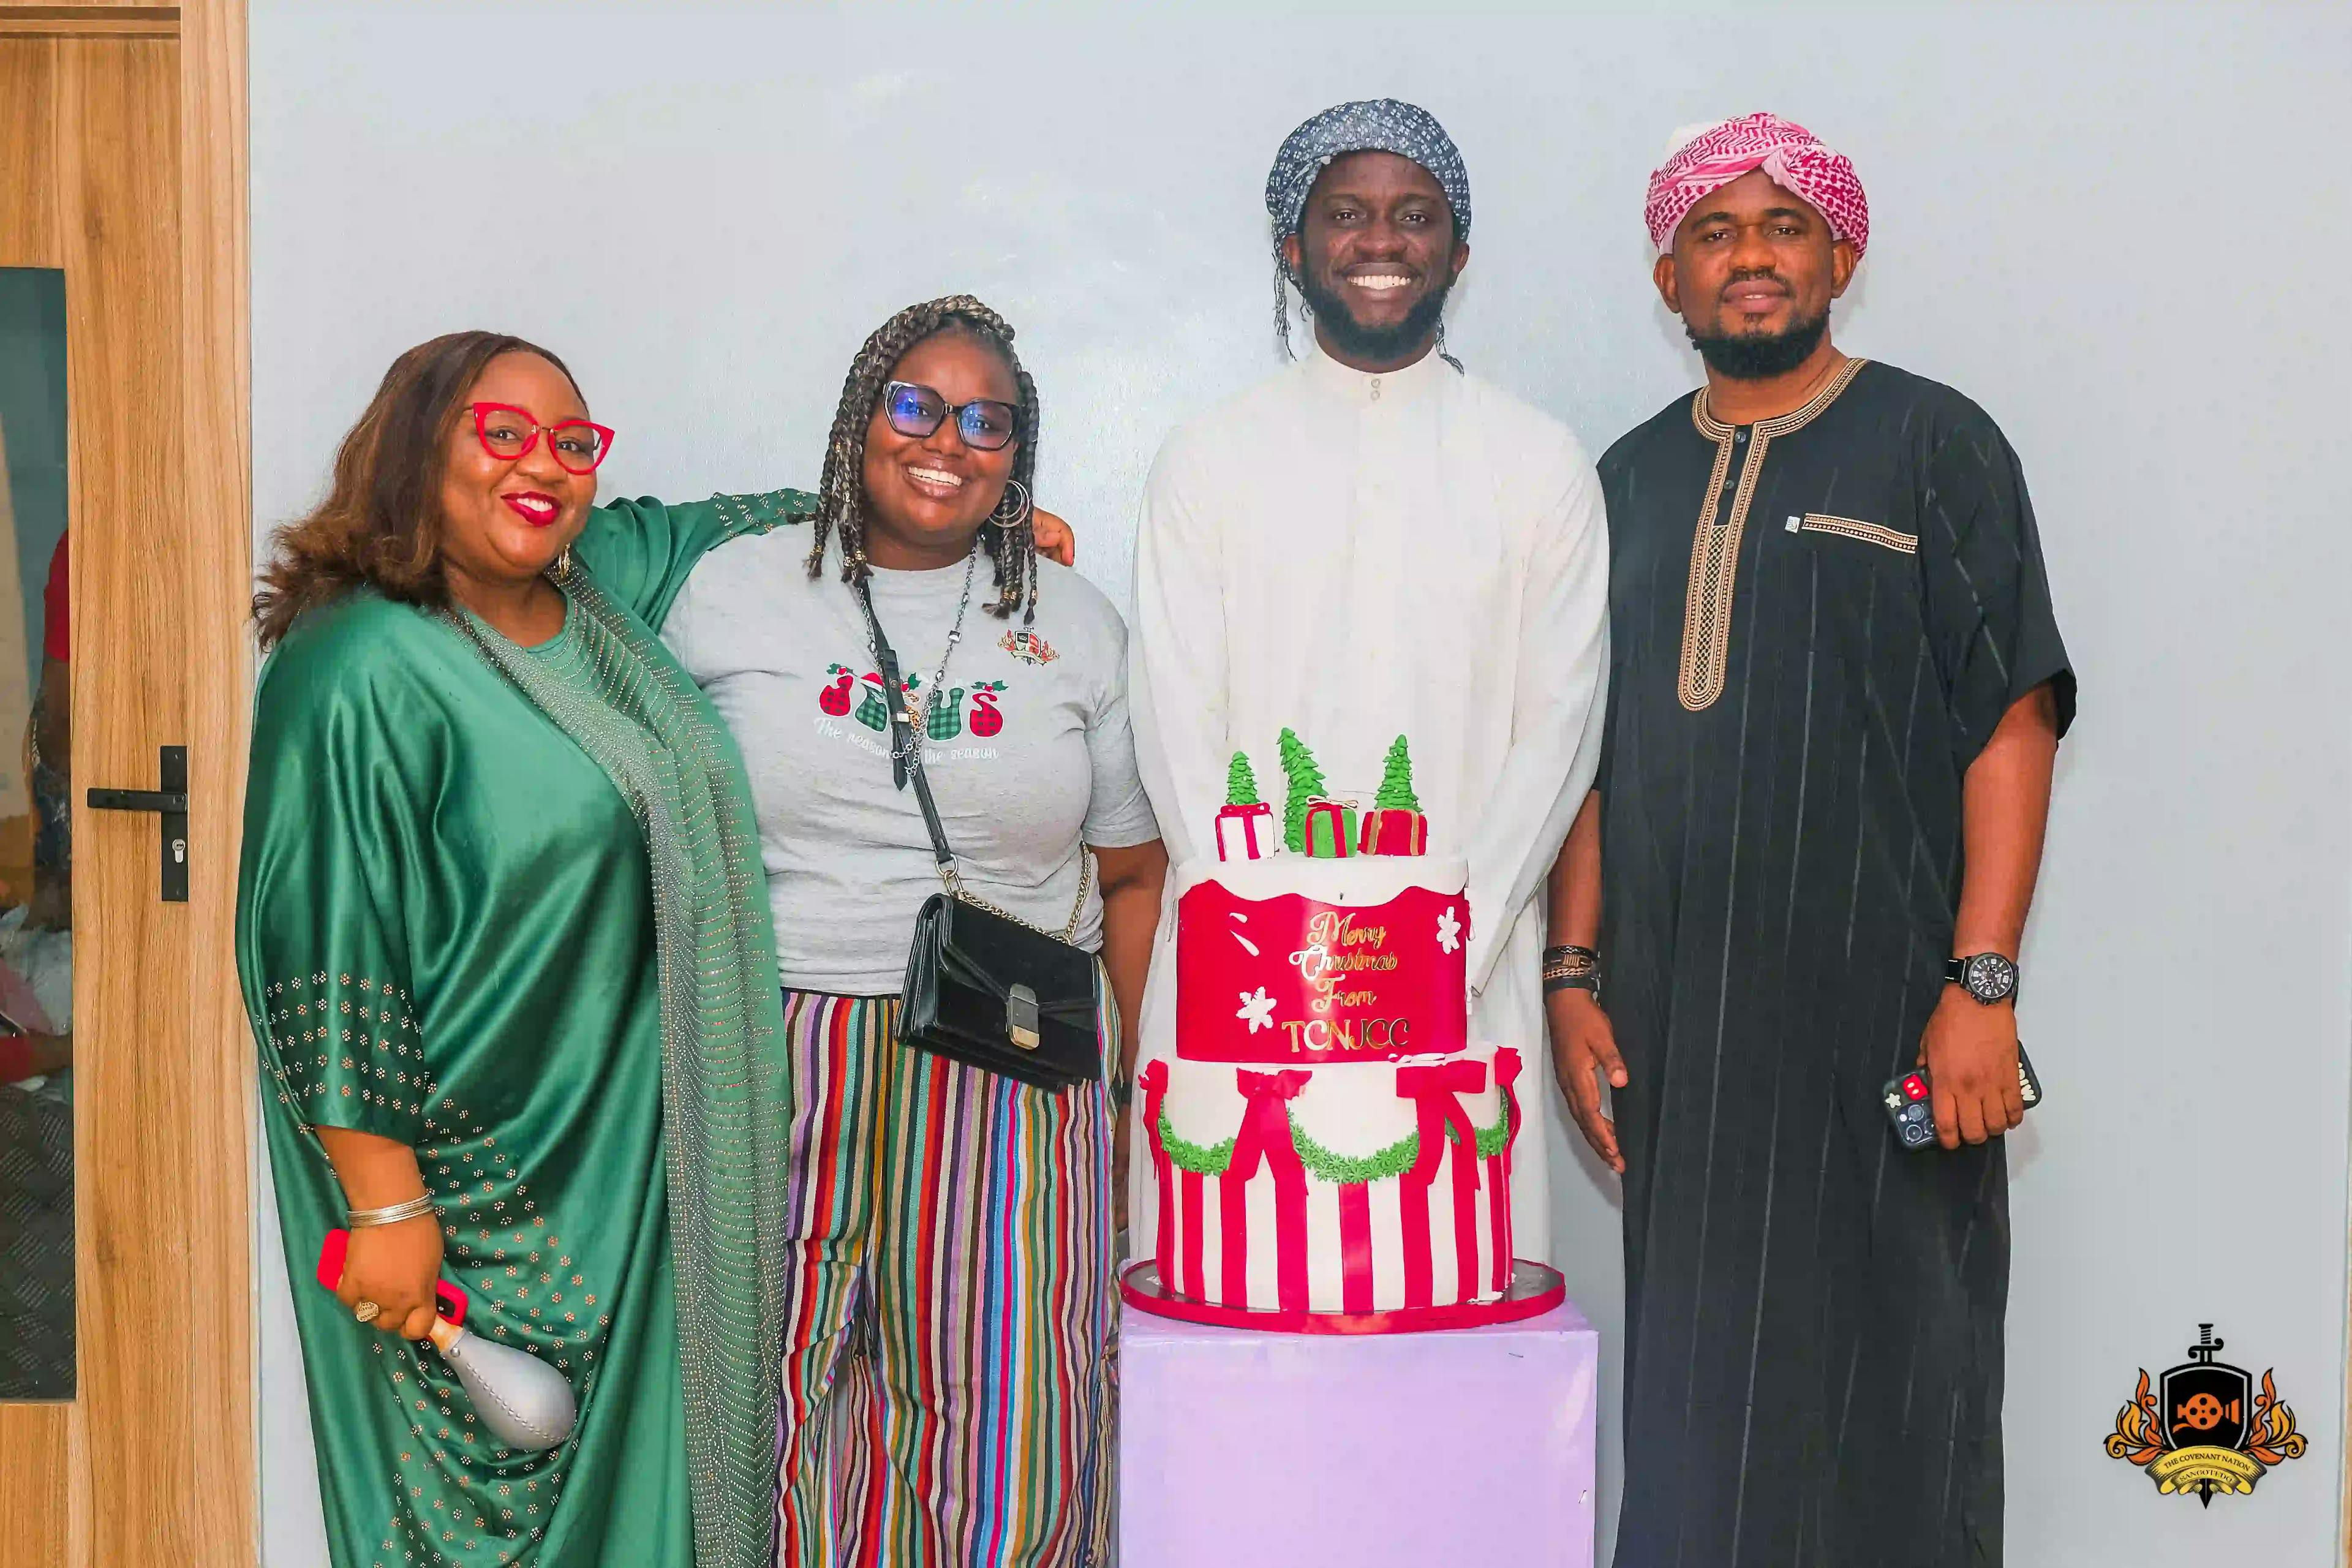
(1990, 977)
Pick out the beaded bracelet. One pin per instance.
(1572, 968)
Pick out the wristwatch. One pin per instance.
(1571, 969)
(1989, 977)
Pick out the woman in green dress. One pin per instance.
(506, 946)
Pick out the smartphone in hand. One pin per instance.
(1910, 1101)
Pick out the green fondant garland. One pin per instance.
(1322, 1163)
(1201, 1159)
(1491, 1141)
(1377, 1167)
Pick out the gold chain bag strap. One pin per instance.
(983, 986)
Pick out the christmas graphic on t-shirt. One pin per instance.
(970, 711)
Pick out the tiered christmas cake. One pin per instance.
(1327, 1141)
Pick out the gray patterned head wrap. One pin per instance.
(1373, 125)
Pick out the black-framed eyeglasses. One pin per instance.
(914, 411)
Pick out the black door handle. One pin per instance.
(136, 800)
(171, 804)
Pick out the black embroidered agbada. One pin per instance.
(1817, 622)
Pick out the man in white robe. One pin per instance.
(1373, 543)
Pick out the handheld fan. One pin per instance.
(524, 1403)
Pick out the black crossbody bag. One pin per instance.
(983, 986)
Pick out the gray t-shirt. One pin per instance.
(1037, 760)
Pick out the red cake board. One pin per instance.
(1536, 1289)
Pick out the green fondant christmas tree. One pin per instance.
(1303, 778)
(1241, 784)
(1396, 782)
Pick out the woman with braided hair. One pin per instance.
(948, 1251)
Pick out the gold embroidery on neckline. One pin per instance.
(1715, 550)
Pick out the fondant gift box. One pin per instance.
(1395, 826)
(1330, 829)
(1245, 832)
(1394, 832)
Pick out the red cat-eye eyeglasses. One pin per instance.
(507, 432)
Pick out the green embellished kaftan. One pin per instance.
(505, 905)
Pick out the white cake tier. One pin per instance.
(1343, 1187)
(1358, 879)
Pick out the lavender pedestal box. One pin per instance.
(1257, 1450)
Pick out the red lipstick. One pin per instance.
(535, 509)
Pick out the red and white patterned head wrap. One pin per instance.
(1712, 157)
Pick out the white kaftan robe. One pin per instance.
(1357, 557)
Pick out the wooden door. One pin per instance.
(122, 188)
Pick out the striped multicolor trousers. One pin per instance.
(947, 1382)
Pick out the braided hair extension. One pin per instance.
(841, 492)
(1281, 304)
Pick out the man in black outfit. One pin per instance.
(1837, 688)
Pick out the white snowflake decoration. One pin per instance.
(1449, 930)
(1257, 1010)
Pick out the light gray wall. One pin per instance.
(2124, 231)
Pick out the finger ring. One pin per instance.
(366, 1311)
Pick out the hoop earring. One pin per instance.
(1017, 494)
(563, 565)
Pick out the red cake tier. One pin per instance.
(1295, 961)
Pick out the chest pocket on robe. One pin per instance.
(1875, 533)
(1854, 580)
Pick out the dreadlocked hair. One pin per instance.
(841, 492)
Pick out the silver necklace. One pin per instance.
(916, 710)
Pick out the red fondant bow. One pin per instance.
(1435, 1090)
(1506, 1074)
(1264, 1135)
(1498, 1172)
(1153, 1081)
(1265, 1125)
